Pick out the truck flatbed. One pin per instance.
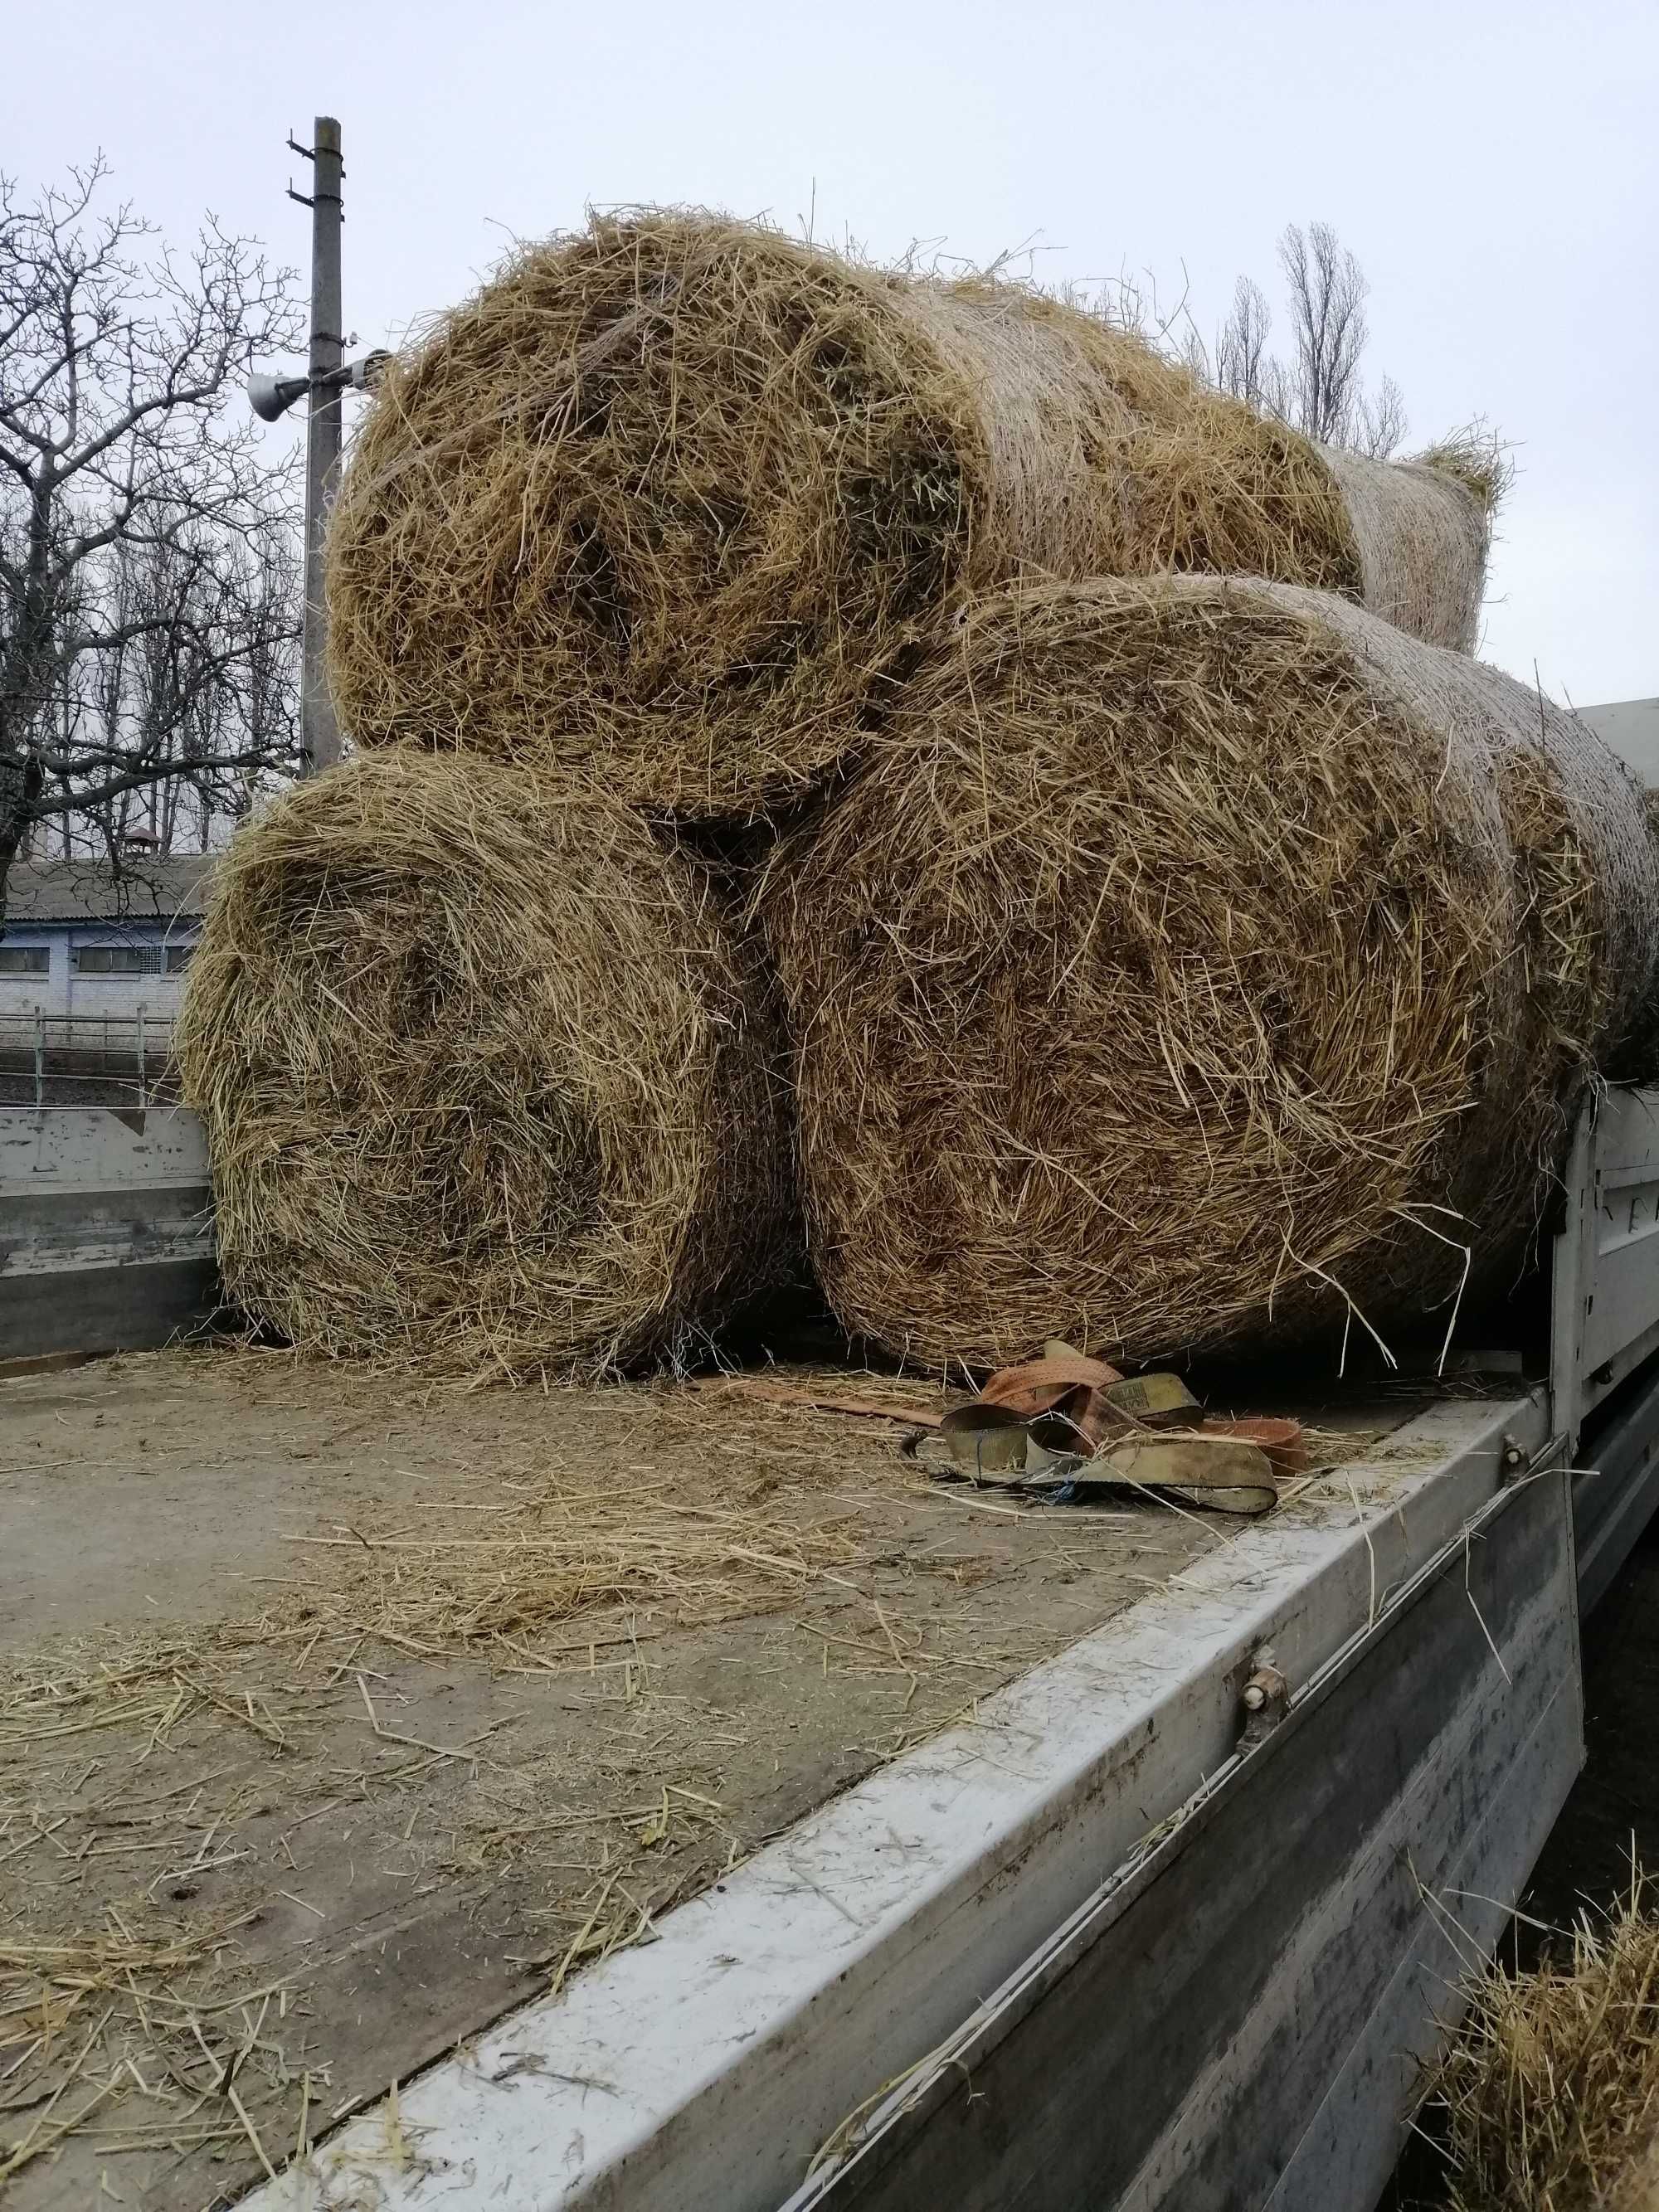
(1096, 1943)
(454, 1801)
(341, 1713)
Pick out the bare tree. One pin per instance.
(147, 597)
(1379, 423)
(1243, 365)
(1327, 290)
(204, 671)
(1320, 391)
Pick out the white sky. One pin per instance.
(1492, 163)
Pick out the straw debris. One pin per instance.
(675, 502)
(86, 2022)
(150, 2034)
(1194, 960)
(550, 1663)
(1552, 2086)
(486, 1075)
(1479, 459)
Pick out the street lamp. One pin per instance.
(270, 397)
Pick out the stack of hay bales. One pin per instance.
(1132, 925)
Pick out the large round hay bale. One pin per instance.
(487, 1076)
(1424, 533)
(1197, 962)
(673, 502)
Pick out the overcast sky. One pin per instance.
(1492, 163)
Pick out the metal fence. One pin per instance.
(113, 1059)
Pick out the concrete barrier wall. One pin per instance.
(106, 1228)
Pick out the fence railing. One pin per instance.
(126, 1053)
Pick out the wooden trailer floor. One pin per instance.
(339, 1714)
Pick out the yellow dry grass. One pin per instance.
(487, 1076)
(1551, 2089)
(1196, 962)
(673, 502)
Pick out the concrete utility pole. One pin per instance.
(319, 735)
(324, 382)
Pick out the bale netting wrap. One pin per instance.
(1584, 863)
(488, 1077)
(1169, 978)
(1423, 533)
(673, 502)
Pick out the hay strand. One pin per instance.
(1480, 459)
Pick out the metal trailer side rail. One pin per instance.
(1605, 1331)
(1614, 1499)
(105, 1229)
(1605, 1265)
(1239, 2018)
(701, 2073)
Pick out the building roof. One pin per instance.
(135, 888)
(1631, 727)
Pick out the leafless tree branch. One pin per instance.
(149, 586)
(1320, 389)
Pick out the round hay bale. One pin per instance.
(487, 1077)
(1424, 531)
(1172, 977)
(672, 503)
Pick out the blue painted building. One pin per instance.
(95, 939)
